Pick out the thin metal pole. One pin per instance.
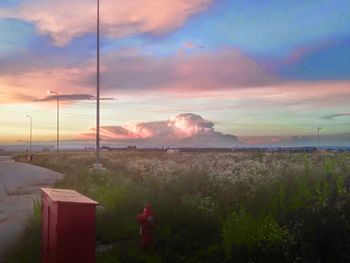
(58, 123)
(30, 133)
(31, 129)
(98, 88)
(318, 137)
(57, 119)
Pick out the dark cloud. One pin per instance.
(333, 116)
(297, 141)
(72, 97)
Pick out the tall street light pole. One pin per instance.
(30, 133)
(318, 137)
(58, 119)
(98, 164)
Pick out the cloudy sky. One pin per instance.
(201, 72)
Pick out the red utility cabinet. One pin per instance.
(68, 227)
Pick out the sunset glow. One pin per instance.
(174, 72)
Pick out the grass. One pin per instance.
(210, 207)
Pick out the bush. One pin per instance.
(242, 230)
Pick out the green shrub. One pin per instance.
(243, 229)
(27, 249)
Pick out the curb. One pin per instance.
(4, 158)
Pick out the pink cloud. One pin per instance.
(180, 126)
(182, 129)
(220, 70)
(302, 51)
(64, 20)
(225, 74)
(127, 72)
(33, 84)
(189, 46)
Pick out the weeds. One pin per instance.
(222, 207)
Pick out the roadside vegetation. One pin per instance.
(210, 207)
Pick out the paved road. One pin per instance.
(20, 184)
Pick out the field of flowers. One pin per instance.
(210, 207)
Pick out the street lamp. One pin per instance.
(318, 137)
(30, 133)
(98, 163)
(58, 119)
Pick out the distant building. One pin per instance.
(106, 148)
(173, 150)
(89, 148)
(131, 148)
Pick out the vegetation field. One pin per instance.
(210, 207)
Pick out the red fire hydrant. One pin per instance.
(146, 222)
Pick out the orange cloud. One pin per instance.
(64, 20)
(33, 84)
(183, 129)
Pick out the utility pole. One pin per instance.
(318, 137)
(30, 133)
(58, 120)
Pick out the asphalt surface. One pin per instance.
(20, 184)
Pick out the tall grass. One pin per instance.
(27, 249)
(222, 207)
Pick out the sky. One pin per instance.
(213, 73)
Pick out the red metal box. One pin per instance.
(68, 227)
